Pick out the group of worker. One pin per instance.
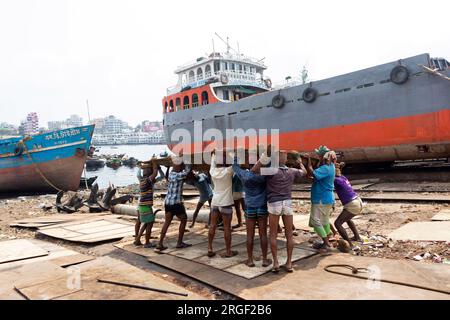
(263, 191)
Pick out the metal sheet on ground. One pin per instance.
(423, 231)
(22, 274)
(20, 249)
(120, 271)
(45, 221)
(56, 254)
(244, 271)
(443, 215)
(47, 290)
(310, 281)
(90, 232)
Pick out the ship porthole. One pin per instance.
(309, 95)
(278, 101)
(399, 74)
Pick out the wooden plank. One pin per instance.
(20, 249)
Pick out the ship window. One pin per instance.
(199, 74)
(191, 76)
(165, 107)
(207, 71)
(171, 105)
(178, 103)
(225, 66)
(194, 100)
(216, 66)
(204, 98)
(226, 95)
(232, 67)
(186, 102)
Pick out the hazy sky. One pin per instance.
(55, 54)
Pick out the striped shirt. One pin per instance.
(175, 186)
(146, 188)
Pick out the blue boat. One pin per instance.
(46, 162)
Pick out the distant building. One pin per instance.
(73, 121)
(151, 126)
(30, 126)
(7, 129)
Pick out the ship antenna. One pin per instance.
(89, 114)
(227, 43)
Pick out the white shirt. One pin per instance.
(222, 179)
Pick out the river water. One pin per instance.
(123, 176)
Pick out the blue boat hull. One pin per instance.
(47, 162)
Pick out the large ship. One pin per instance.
(46, 162)
(395, 111)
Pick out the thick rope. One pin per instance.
(355, 272)
(434, 72)
(38, 169)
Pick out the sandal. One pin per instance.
(250, 265)
(149, 245)
(233, 253)
(160, 249)
(290, 270)
(211, 254)
(267, 263)
(183, 245)
(275, 270)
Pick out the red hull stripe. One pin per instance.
(419, 129)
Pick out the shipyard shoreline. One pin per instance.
(380, 219)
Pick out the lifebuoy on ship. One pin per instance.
(224, 78)
(268, 83)
(278, 101)
(309, 95)
(399, 74)
(19, 149)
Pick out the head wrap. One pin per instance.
(322, 150)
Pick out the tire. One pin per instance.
(18, 150)
(399, 75)
(278, 101)
(224, 78)
(309, 95)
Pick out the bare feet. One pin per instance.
(191, 226)
(236, 226)
(137, 242)
(149, 245)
